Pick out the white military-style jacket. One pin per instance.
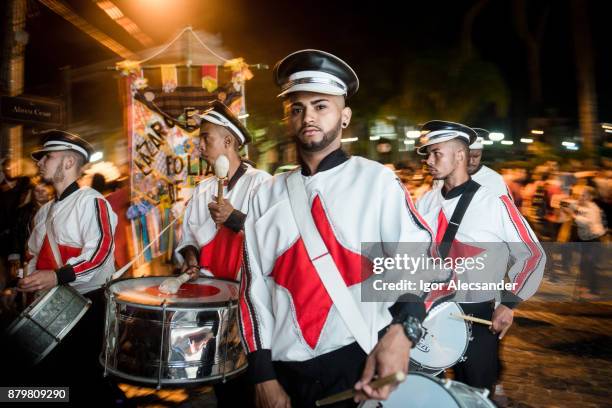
(84, 226)
(286, 313)
(493, 230)
(220, 248)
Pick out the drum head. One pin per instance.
(446, 339)
(202, 292)
(420, 391)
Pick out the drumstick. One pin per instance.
(381, 382)
(184, 277)
(473, 319)
(219, 191)
(22, 273)
(221, 170)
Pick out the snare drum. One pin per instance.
(43, 324)
(424, 391)
(445, 341)
(167, 339)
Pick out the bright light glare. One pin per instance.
(96, 156)
(496, 136)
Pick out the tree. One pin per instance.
(446, 85)
(533, 44)
(587, 96)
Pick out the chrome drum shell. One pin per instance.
(172, 339)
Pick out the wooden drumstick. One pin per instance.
(184, 277)
(473, 319)
(344, 395)
(221, 170)
(22, 273)
(219, 191)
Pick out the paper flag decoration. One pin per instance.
(210, 77)
(169, 78)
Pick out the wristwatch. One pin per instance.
(412, 328)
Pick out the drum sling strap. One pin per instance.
(457, 217)
(51, 238)
(325, 266)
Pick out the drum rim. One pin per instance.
(26, 315)
(110, 295)
(148, 380)
(173, 307)
(440, 383)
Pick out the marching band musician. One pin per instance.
(83, 226)
(483, 175)
(300, 341)
(490, 222)
(212, 233)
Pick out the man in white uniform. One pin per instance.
(491, 228)
(212, 233)
(482, 174)
(299, 347)
(83, 228)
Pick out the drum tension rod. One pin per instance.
(161, 345)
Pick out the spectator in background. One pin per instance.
(98, 183)
(38, 194)
(591, 230)
(12, 192)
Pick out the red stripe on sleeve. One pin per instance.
(536, 254)
(105, 242)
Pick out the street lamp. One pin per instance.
(496, 136)
(413, 134)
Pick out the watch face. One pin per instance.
(413, 329)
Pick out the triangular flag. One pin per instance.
(210, 77)
(169, 78)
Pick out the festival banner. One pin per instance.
(166, 165)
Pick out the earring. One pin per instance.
(344, 125)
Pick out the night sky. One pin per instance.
(380, 39)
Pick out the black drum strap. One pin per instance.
(457, 217)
